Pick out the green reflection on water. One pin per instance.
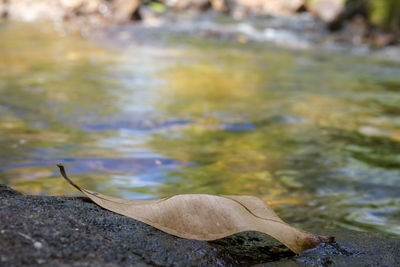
(49, 83)
(320, 137)
(315, 135)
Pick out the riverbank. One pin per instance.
(48, 230)
(294, 26)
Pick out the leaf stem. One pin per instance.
(64, 174)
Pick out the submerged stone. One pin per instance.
(53, 230)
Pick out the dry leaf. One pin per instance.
(207, 217)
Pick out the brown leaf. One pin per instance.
(207, 217)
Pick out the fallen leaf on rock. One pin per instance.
(207, 217)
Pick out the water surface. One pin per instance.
(315, 135)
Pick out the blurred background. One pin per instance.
(296, 102)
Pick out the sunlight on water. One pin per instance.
(315, 135)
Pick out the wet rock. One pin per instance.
(240, 8)
(45, 230)
(354, 32)
(126, 10)
(326, 10)
(271, 7)
(352, 249)
(199, 5)
(7, 191)
(381, 39)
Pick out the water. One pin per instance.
(315, 135)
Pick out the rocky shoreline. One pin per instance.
(291, 24)
(73, 231)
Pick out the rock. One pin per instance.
(71, 4)
(73, 231)
(326, 10)
(92, 11)
(272, 7)
(126, 10)
(32, 10)
(381, 39)
(3, 9)
(248, 7)
(5, 191)
(199, 5)
(56, 10)
(266, 7)
(219, 5)
(354, 31)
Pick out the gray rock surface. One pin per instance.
(60, 231)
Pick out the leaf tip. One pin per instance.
(330, 239)
(64, 174)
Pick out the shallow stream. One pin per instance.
(316, 135)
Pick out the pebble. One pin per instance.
(37, 245)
